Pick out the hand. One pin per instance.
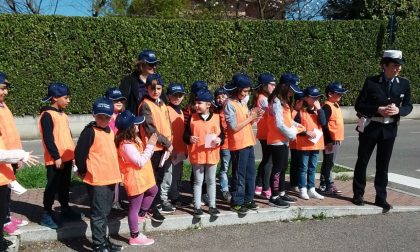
(58, 164)
(153, 139)
(19, 164)
(300, 128)
(392, 110)
(216, 142)
(311, 134)
(32, 160)
(298, 105)
(383, 111)
(317, 105)
(171, 148)
(194, 139)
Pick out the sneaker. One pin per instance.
(11, 229)
(48, 221)
(251, 205)
(333, 191)
(288, 199)
(303, 194)
(70, 215)
(313, 194)
(157, 216)
(140, 240)
(227, 196)
(179, 203)
(18, 222)
(204, 199)
(214, 212)
(258, 190)
(278, 202)
(239, 209)
(198, 213)
(167, 207)
(266, 194)
(4, 245)
(322, 188)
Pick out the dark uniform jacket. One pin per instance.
(133, 88)
(376, 93)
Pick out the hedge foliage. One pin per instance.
(91, 54)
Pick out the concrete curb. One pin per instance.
(39, 233)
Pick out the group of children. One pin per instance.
(146, 153)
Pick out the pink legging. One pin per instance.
(139, 202)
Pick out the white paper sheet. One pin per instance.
(209, 139)
(318, 136)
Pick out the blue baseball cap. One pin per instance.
(125, 119)
(175, 88)
(292, 80)
(103, 106)
(312, 91)
(219, 91)
(266, 78)
(198, 85)
(239, 80)
(204, 95)
(56, 89)
(298, 96)
(114, 94)
(335, 87)
(148, 56)
(153, 77)
(3, 80)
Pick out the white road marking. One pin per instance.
(404, 180)
(415, 132)
(418, 170)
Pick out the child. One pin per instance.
(135, 165)
(203, 134)
(241, 143)
(281, 129)
(97, 162)
(58, 146)
(309, 142)
(294, 160)
(267, 83)
(333, 136)
(157, 121)
(220, 99)
(175, 94)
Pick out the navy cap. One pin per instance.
(3, 79)
(204, 95)
(266, 78)
(298, 96)
(335, 87)
(219, 91)
(56, 89)
(103, 106)
(148, 56)
(125, 119)
(114, 94)
(239, 80)
(175, 88)
(292, 80)
(153, 77)
(312, 91)
(198, 85)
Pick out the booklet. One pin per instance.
(17, 188)
(165, 156)
(209, 140)
(318, 136)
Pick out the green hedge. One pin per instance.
(91, 54)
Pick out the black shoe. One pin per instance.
(101, 248)
(167, 207)
(198, 213)
(156, 216)
(278, 202)
(179, 203)
(112, 246)
(288, 199)
(116, 206)
(358, 200)
(70, 215)
(239, 209)
(385, 206)
(252, 205)
(227, 196)
(4, 244)
(214, 212)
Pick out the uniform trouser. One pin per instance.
(163, 176)
(3, 208)
(383, 156)
(243, 175)
(265, 167)
(101, 198)
(280, 154)
(328, 161)
(294, 168)
(58, 181)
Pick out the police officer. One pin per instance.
(383, 99)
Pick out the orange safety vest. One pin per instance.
(62, 137)
(160, 116)
(198, 154)
(136, 179)
(335, 122)
(102, 162)
(262, 126)
(245, 137)
(274, 135)
(8, 129)
(178, 125)
(310, 121)
(292, 143)
(225, 130)
(6, 171)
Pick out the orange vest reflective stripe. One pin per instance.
(102, 162)
(262, 127)
(336, 122)
(292, 143)
(136, 179)
(310, 121)
(274, 135)
(160, 116)
(178, 125)
(62, 137)
(8, 129)
(245, 137)
(197, 153)
(225, 130)
(6, 171)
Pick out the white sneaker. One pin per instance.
(304, 193)
(313, 194)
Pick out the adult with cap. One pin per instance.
(133, 86)
(384, 98)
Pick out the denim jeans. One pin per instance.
(308, 161)
(224, 168)
(243, 175)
